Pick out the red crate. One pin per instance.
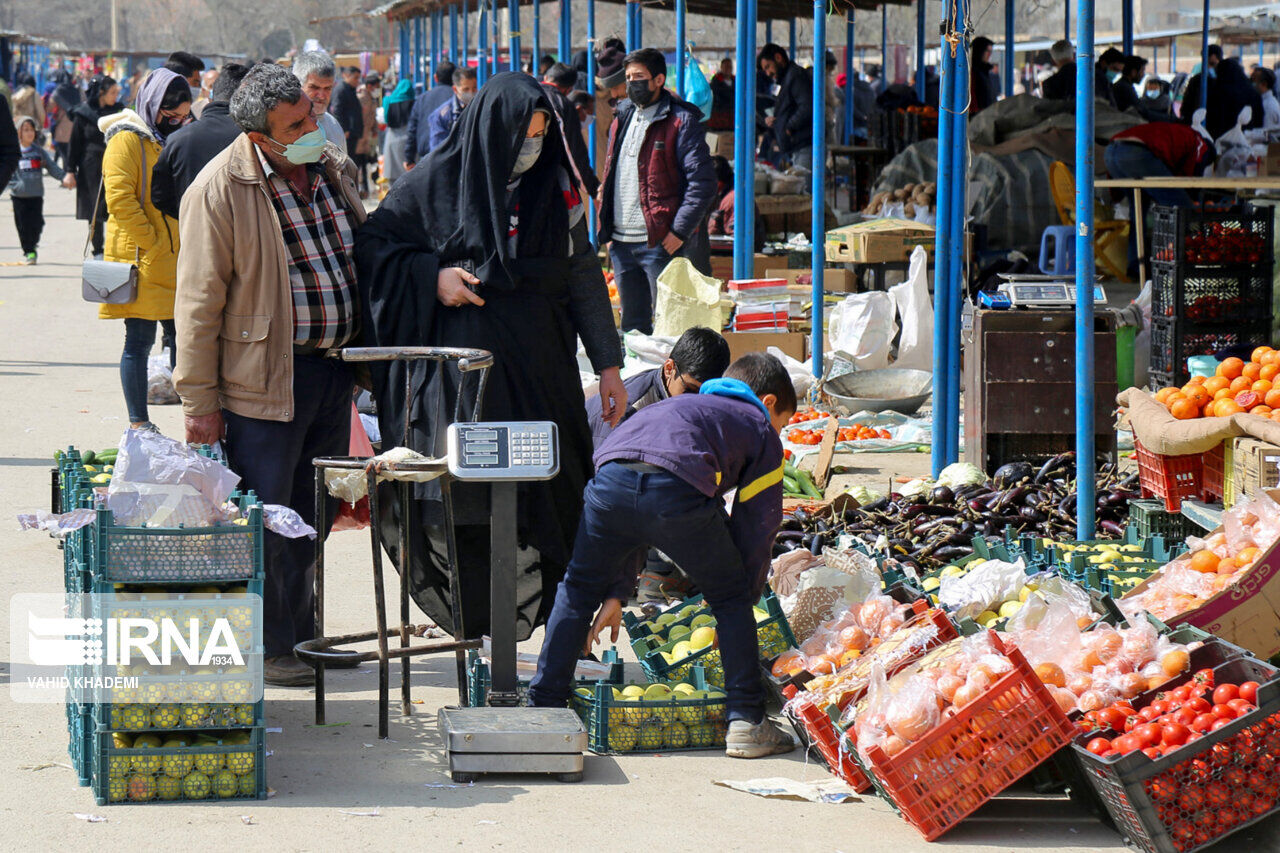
(822, 735)
(1214, 485)
(1205, 790)
(967, 759)
(1170, 478)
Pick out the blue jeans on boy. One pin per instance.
(626, 511)
(1131, 160)
(139, 337)
(636, 268)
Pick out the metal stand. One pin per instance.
(320, 650)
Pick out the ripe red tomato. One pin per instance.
(1098, 745)
(1217, 794)
(1265, 765)
(1125, 744)
(1160, 707)
(1221, 754)
(1241, 705)
(1148, 734)
(1203, 676)
(1226, 712)
(1199, 704)
(1191, 799)
(1219, 723)
(1180, 694)
(1111, 718)
(1200, 771)
(1262, 806)
(1162, 788)
(1202, 723)
(1153, 752)
(1249, 691)
(1235, 777)
(1183, 716)
(1224, 693)
(1174, 734)
(1148, 714)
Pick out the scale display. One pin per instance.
(508, 450)
(1025, 294)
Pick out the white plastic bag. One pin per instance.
(161, 482)
(1142, 340)
(801, 374)
(1234, 150)
(861, 325)
(915, 314)
(160, 381)
(985, 585)
(686, 298)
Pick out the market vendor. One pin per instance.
(699, 354)
(1157, 150)
(485, 245)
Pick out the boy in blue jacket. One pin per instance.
(660, 482)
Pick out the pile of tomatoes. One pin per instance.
(857, 432)
(1213, 308)
(1174, 719)
(810, 415)
(1218, 243)
(1237, 386)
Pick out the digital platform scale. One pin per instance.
(504, 737)
(1036, 292)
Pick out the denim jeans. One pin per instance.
(1130, 160)
(625, 512)
(273, 458)
(636, 268)
(139, 336)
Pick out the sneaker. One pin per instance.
(756, 741)
(147, 426)
(287, 671)
(30, 259)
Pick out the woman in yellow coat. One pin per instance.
(137, 232)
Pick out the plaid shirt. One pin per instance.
(319, 239)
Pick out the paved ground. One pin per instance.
(59, 369)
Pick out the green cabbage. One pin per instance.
(961, 474)
(863, 495)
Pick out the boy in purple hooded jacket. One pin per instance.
(660, 482)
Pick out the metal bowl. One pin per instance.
(898, 389)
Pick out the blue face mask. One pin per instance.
(1113, 76)
(307, 148)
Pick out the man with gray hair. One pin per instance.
(316, 72)
(266, 289)
(1062, 85)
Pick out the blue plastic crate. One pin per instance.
(80, 741)
(479, 678)
(209, 767)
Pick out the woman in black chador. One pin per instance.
(484, 244)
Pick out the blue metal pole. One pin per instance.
(495, 48)
(942, 282)
(1066, 19)
(639, 26)
(466, 34)
(1173, 55)
(956, 238)
(565, 46)
(453, 34)
(680, 46)
(591, 131)
(920, 73)
(633, 38)
(768, 32)
(791, 36)
(848, 80)
(406, 58)
(1085, 461)
(1204, 60)
(818, 253)
(433, 34)
(1126, 24)
(513, 22)
(1262, 52)
(482, 42)
(1009, 52)
(884, 45)
(744, 179)
(537, 39)
(417, 51)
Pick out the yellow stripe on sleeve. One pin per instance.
(754, 488)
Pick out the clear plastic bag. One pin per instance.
(985, 585)
(161, 482)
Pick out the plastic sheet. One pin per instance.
(161, 482)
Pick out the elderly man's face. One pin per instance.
(318, 89)
(288, 122)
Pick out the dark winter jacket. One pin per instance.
(187, 151)
(345, 107)
(9, 148)
(642, 389)
(677, 179)
(84, 157)
(793, 110)
(418, 143)
(714, 443)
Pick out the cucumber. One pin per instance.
(807, 486)
(790, 486)
(88, 457)
(107, 457)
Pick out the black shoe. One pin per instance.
(287, 671)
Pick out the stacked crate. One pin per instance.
(1211, 284)
(186, 732)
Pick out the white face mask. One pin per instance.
(530, 151)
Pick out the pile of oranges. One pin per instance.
(1237, 386)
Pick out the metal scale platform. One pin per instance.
(504, 737)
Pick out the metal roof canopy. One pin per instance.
(767, 10)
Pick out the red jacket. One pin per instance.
(677, 180)
(1176, 145)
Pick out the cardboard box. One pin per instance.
(878, 241)
(1246, 613)
(1269, 166)
(1252, 466)
(834, 279)
(721, 144)
(722, 266)
(741, 343)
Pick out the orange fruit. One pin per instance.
(1247, 400)
(1261, 410)
(1272, 398)
(1251, 370)
(1214, 384)
(849, 657)
(1230, 367)
(1269, 371)
(1207, 410)
(1163, 394)
(1259, 352)
(1225, 407)
(1261, 387)
(1240, 383)
(1246, 556)
(1223, 394)
(1227, 566)
(1184, 409)
(1197, 380)
(1272, 357)
(1204, 561)
(1198, 395)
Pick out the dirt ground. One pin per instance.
(59, 365)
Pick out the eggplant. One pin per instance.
(928, 509)
(952, 552)
(1030, 513)
(1009, 498)
(942, 495)
(815, 548)
(1053, 465)
(876, 505)
(1011, 473)
(801, 516)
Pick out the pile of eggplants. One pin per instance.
(938, 527)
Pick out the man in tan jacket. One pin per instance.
(266, 288)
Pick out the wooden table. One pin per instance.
(1174, 183)
(863, 160)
